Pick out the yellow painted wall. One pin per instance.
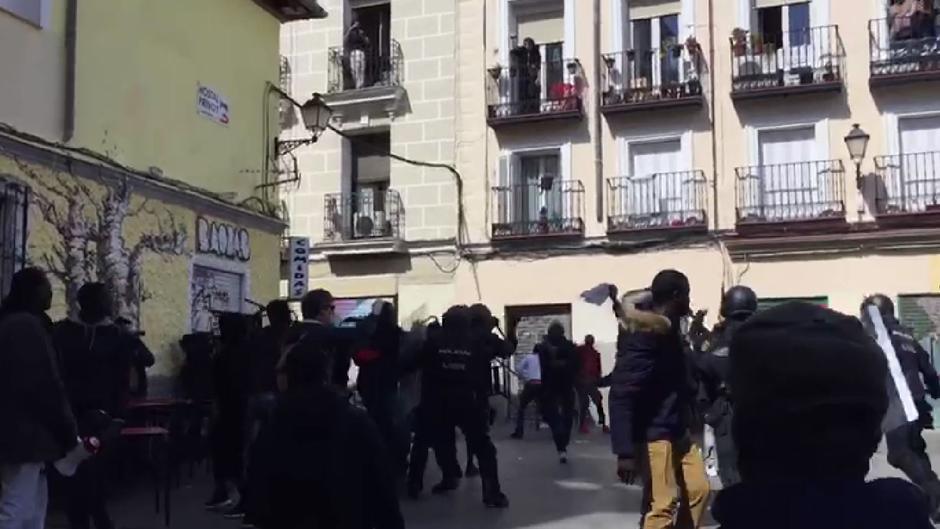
(139, 65)
(32, 73)
(166, 278)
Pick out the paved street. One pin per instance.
(544, 494)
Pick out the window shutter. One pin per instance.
(643, 9)
(915, 311)
(543, 28)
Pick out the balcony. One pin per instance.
(549, 208)
(551, 90)
(904, 49)
(648, 79)
(911, 189)
(366, 222)
(791, 197)
(293, 10)
(674, 202)
(794, 62)
(365, 81)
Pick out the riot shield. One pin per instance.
(901, 407)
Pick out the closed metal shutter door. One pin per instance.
(766, 303)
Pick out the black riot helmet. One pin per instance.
(738, 303)
(884, 304)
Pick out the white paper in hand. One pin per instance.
(597, 295)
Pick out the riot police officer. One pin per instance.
(737, 305)
(907, 450)
(450, 397)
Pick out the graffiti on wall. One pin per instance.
(88, 223)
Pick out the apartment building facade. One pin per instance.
(605, 140)
(135, 150)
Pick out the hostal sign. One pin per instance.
(223, 240)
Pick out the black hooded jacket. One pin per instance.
(35, 418)
(96, 361)
(321, 463)
(815, 504)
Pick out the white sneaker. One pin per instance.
(563, 458)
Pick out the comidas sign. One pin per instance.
(299, 248)
(223, 240)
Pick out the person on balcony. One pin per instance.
(356, 45)
(529, 63)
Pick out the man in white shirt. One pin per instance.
(529, 370)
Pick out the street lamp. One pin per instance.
(316, 115)
(857, 143)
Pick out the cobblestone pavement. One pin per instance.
(543, 493)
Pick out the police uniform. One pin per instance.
(714, 367)
(907, 450)
(737, 305)
(450, 387)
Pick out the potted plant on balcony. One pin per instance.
(739, 42)
(547, 182)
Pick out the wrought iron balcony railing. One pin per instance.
(658, 201)
(356, 69)
(362, 215)
(546, 208)
(806, 60)
(904, 48)
(670, 76)
(528, 92)
(911, 183)
(791, 192)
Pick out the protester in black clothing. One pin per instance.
(318, 327)
(263, 357)
(230, 373)
(141, 359)
(425, 432)
(737, 305)
(490, 346)
(450, 398)
(806, 427)
(320, 462)
(558, 357)
(96, 358)
(38, 426)
(377, 383)
(907, 450)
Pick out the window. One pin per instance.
(14, 208)
(212, 291)
(369, 182)
(367, 47)
(661, 192)
(36, 12)
(653, 40)
(785, 25)
(919, 134)
(789, 187)
(918, 183)
(536, 195)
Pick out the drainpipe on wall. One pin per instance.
(713, 107)
(598, 138)
(71, 38)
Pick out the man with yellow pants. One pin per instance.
(651, 398)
